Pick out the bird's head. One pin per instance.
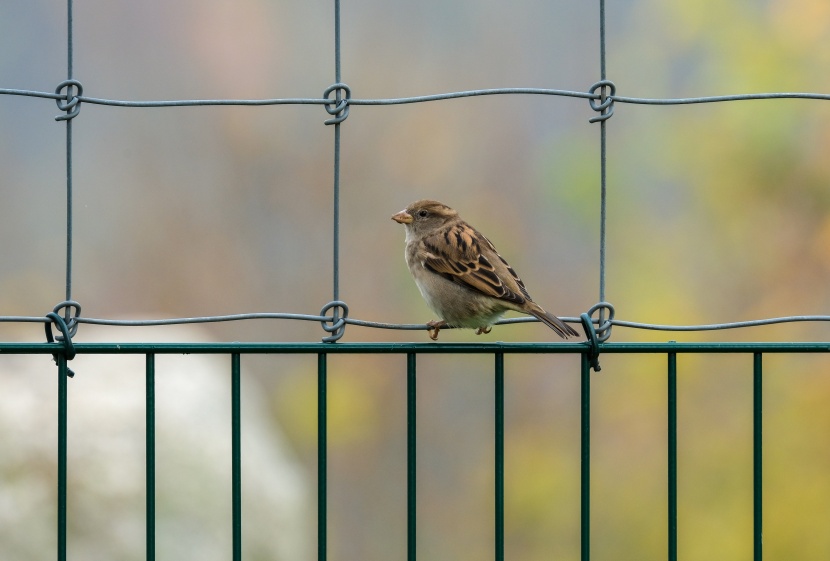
(425, 216)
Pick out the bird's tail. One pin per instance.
(562, 329)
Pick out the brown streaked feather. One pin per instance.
(458, 257)
(563, 329)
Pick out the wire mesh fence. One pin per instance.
(63, 321)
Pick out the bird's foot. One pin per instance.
(484, 330)
(434, 327)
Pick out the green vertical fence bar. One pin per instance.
(321, 457)
(62, 406)
(585, 464)
(411, 503)
(499, 459)
(236, 457)
(672, 455)
(757, 456)
(150, 447)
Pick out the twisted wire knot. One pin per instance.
(71, 318)
(338, 321)
(72, 105)
(605, 104)
(339, 106)
(599, 334)
(67, 330)
(603, 328)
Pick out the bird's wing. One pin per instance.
(506, 266)
(463, 255)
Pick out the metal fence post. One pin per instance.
(150, 460)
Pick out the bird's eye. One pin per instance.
(423, 213)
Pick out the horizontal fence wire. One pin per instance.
(406, 326)
(416, 99)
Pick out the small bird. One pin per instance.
(461, 275)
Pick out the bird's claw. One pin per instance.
(484, 330)
(434, 327)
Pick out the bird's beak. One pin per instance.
(403, 217)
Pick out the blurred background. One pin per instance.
(716, 213)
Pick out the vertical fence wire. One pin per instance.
(499, 456)
(672, 456)
(236, 456)
(603, 194)
(150, 453)
(411, 464)
(69, 93)
(63, 370)
(757, 456)
(336, 190)
(322, 459)
(585, 391)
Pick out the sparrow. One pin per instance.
(460, 274)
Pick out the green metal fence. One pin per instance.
(411, 351)
(336, 100)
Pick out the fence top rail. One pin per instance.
(423, 348)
